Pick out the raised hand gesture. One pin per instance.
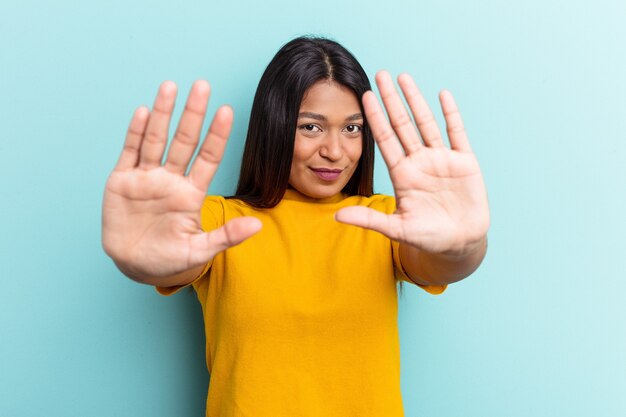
(440, 194)
(151, 210)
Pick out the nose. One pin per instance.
(331, 147)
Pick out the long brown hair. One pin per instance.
(268, 151)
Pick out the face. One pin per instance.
(328, 141)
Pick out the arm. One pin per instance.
(441, 216)
(441, 268)
(181, 278)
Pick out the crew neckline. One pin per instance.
(291, 194)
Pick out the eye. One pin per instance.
(353, 129)
(310, 128)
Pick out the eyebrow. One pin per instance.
(321, 117)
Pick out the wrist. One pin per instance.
(465, 250)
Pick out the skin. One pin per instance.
(151, 210)
(442, 215)
(328, 136)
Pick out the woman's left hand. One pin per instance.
(441, 200)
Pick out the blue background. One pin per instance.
(538, 330)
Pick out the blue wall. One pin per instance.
(539, 330)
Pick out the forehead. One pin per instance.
(328, 98)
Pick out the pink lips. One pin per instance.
(327, 174)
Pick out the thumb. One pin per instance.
(204, 246)
(368, 218)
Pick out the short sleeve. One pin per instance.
(211, 218)
(402, 275)
(387, 204)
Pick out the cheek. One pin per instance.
(355, 150)
(302, 151)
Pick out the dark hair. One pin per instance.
(268, 151)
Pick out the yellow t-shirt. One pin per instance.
(301, 319)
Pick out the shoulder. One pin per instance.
(212, 212)
(380, 202)
(215, 201)
(217, 210)
(211, 201)
(225, 207)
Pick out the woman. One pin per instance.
(300, 305)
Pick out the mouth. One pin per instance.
(327, 174)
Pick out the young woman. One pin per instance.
(300, 306)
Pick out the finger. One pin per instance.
(155, 139)
(188, 131)
(454, 123)
(384, 135)
(136, 129)
(424, 117)
(400, 120)
(369, 219)
(206, 245)
(212, 150)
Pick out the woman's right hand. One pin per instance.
(151, 210)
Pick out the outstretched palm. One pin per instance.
(440, 194)
(151, 211)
